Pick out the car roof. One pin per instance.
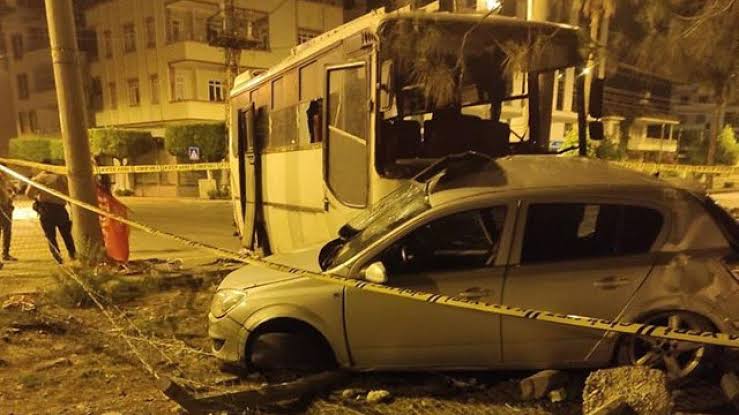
(542, 172)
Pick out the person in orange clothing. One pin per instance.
(115, 233)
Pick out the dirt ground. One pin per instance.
(70, 360)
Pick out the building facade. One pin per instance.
(29, 67)
(155, 65)
(637, 108)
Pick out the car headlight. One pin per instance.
(225, 300)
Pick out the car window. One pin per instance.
(464, 240)
(571, 231)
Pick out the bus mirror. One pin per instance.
(595, 106)
(386, 86)
(595, 129)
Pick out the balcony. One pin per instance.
(652, 144)
(148, 115)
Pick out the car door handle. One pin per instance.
(611, 283)
(474, 293)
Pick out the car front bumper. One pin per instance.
(228, 339)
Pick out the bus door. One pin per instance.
(247, 175)
(346, 157)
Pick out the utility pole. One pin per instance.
(71, 101)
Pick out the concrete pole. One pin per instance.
(71, 100)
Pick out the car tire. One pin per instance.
(680, 361)
(299, 349)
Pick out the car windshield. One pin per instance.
(393, 210)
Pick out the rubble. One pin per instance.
(378, 396)
(538, 385)
(19, 302)
(42, 366)
(730, 386)
(643, 389)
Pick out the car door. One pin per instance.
(582, 258)
(459, 253)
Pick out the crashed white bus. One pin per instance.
(349, 115)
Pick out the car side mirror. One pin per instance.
(376, 273)
(595, 130)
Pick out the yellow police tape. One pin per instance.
(695, 336)
(152, 168)
(222, 165)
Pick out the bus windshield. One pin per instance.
(454, 83)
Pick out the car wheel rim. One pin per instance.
(678, 359)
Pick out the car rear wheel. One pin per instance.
(679, 360)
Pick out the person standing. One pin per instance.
(7, 193)
(52, 212)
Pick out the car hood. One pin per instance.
(251, 276)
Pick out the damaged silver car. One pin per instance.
(568, 235)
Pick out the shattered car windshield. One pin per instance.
(395, 209)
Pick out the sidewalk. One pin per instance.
(207, 221)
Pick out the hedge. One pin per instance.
(37, 148)
(210, 138)
(119, 143)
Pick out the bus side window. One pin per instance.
(315, 121)
(346, 141)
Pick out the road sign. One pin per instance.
(193, 153)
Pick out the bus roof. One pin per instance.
(375, 19)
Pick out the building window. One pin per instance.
(700, 119)
(703, 99)
(175, 32)
(684, 99)
(655, 131)
(305, 35)
(96, 94)
(215, 90)
(108, 43)
(134, 96)
(22, 122)
(22, 83)
(179, 88)
(151, 32)
(129, 38)
(113, 95)
(33, 121)
(43, 78)
(16, 43)
(154, 84)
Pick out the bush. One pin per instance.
(606, 149)
(210, 138)
(120, 143)
(696, 149)
(37, 148)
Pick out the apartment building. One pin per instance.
(29, 68)
(156, 65)
(637, 107)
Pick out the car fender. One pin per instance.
(292, 311)
(696, 305)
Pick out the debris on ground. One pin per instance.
(730, 386)
(538, 385)
(19, 302)
(378, 396)
(558, 395)
(643, 389)
(42, 366)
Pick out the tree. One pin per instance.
(688, 40)
(696, 147)
(120, 143)
(209, 138)
(607, 149)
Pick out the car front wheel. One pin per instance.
(679, 360)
